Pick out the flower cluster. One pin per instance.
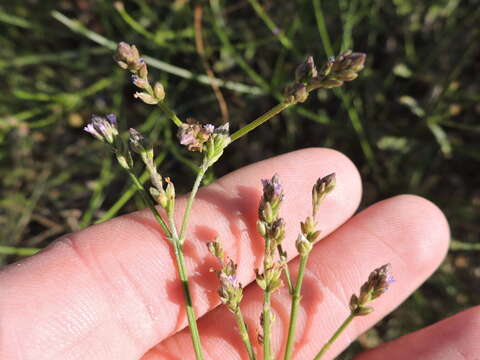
(128, 58)
(377, 283)
(230, 290)
(272, 228)
(337, 70)
(309, 233)
(211, 141)
(105, 128)
(194, 135)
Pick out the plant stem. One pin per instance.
(182, 269)
(296, 297)
(334, 337)
(244, 333)
(192, 320)
(19, 251)
(193, 193)
(148, 201)
(164, 107)
(259, 121)
(266, 326)
(288, 278)
(177, 243)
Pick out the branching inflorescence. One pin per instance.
(210, 142)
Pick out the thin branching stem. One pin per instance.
(259, 121)
(267, 324)
(296, 297)
(286, 271)
(180, 259)
(242, 327)
(191, 198)
(192, 320)
(18, 251)
(334, 337)
(148, 201)
(169, 112)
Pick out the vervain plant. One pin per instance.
(211, 141)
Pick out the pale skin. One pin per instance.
(111, 290)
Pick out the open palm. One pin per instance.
(111, 291)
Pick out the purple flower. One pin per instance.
(229, 279)
(112, 118)
(209, 128)
(103, 128)
(272, 188)
(193, 135)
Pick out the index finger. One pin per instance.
(112, 290)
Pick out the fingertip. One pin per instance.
(425, 229)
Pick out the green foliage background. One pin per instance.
(410, 122)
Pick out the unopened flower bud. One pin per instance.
(303, 245)
(377, 283)
(346, 75)
(123, 161)
(160, 196)
(306, 71)
(308, 226)
(143, 71)
(216, 249)
(138, 143)
(128, 57)
(159, 91)
(139, 82)
(358, 61)
(364, 310)
(146, 98)
(322, 187)
(331, 83)
(170, 190)
(261, 227)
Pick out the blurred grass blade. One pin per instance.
(284, 40)
(14, 20)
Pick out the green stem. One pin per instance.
(182, 269)
(266, 326)
(164, 107)
(296, 297)
(288, 278)
(334, 337)
(192, 320)
(244, 334)
(148, 201)
(259, 121)
(19, 251)
(191, 198)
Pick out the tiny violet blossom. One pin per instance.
(272, 188)
(193, 135)
(103, 128)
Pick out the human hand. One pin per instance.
(111, 291)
